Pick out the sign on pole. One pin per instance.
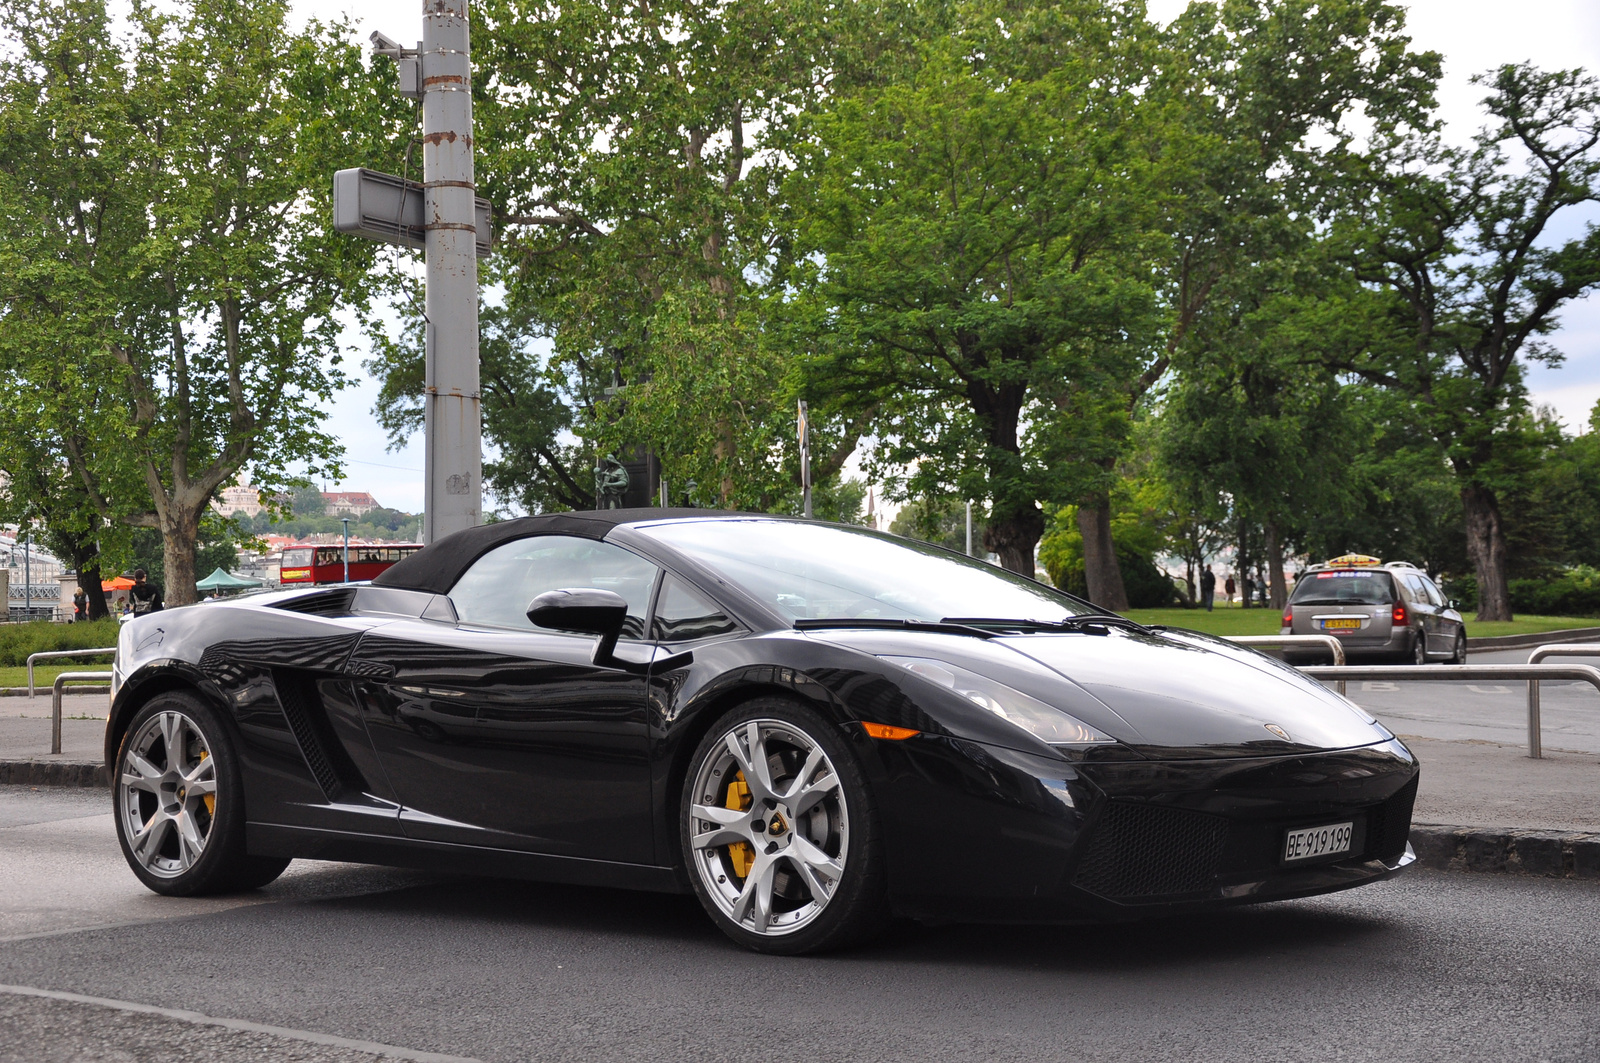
(381, 206)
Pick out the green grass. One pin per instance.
(1236, 621)
(45, 672)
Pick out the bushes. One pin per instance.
(19, 640)
(1570, 592)
(1147, 586)
(1573, 592)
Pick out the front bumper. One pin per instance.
(1128, 839)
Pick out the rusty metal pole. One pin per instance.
(453, 493)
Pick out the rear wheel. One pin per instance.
(1419, 648)
(779, 832)
(1459, 656)
(179, 802)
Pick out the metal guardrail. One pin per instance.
(55, 700)
(1458, 673)
(1560, 649)
(1327, 642)
(43, 654)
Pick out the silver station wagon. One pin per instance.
(1377, 610)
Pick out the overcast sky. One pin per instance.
(1472, 35)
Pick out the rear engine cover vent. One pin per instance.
(337, 602)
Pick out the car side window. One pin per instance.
(1435, 595)
(497, 588)
(682, 615)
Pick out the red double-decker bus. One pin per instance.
(325, 564)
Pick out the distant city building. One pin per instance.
(349, 503)
(246, 501)
(238, 500)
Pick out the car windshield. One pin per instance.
(1344, 588)
(827, 572)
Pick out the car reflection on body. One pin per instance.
(813, 728)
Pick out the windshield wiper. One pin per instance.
(945, 627)
(1070, 623)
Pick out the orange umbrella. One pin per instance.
(121, 583)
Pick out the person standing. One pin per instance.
(146, 597)
(80, 606)
(1208, 588)
(1228, 587)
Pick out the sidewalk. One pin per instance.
(25, 741)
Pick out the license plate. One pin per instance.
(1342, 625)
(1317, 841)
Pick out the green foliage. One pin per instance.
(1138, 544)
(17, 641)
(941, 521)
(1573, 592)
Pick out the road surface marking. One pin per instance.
(239, 1024)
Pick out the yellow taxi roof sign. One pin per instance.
(1355, 561)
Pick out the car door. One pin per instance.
(1425, 608)
(493, 732)
(1447, 624)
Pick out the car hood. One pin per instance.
(1186, 695)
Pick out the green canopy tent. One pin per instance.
(222, 581)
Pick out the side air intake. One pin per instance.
(302, 706)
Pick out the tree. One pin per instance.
(1466, 281)
(1256, 101)
(958, 250)
(168, 261)
(626, 149)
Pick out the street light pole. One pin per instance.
(452, 494)
(346, 522)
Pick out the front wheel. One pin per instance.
(779, 832)
(179, 802)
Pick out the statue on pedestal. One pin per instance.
(610, 483)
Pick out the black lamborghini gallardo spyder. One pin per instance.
(812, 727)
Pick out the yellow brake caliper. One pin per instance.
(740, 854)
(210, 800)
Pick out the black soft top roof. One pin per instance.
(436, 568)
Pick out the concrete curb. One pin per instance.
(1542, 638)
(43, 690)
(1546, 853)
(54, 773)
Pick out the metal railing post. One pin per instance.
(1457, 673)
(44, 654)
(1327, 642)
(55, 700)
(1559, 649)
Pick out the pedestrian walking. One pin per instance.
(146, 597)
(80, 606)
(1229, 587)
(1208, 588)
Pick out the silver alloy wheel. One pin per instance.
(166, 794)
(770, 827)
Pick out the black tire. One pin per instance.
(1459, 656)
(1417, 653)
(855, 907)
(168, 866)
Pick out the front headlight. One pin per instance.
(1032, 715)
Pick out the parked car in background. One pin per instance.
(1391, 610)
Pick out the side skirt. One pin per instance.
(311, 843)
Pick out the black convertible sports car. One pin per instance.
(812, 727)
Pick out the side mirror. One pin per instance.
(1453, 604)
(584, 609)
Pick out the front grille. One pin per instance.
(1140, 851)
(1389, 825)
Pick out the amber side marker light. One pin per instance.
(893, 734)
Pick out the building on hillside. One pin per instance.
(349, 503)
(244, 501)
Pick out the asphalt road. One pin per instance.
(337, 962)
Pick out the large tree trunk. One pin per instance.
(1014, 536)
(86, 561)
(1100, 569)
(179, 539)
(1278, 586)
(1486, 546)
